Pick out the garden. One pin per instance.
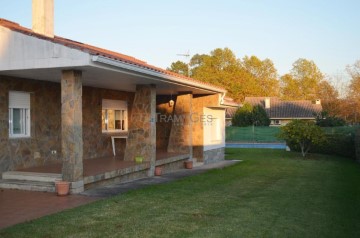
(270, 193)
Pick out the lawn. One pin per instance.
(271, 193)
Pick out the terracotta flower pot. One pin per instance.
(62, 188)
(188, 164)
(158, 171)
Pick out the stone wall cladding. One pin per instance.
(142, 131)
(180, 139)
(198, 104)
(71, 125)
(173, 166)
(46, 124)
(215, 155)
(96, 143)
(45, 109)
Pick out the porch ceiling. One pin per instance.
(109, 78)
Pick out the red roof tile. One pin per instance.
(93, 50)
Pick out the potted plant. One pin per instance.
(188, 164)
(139, 159)
(158, 171)
(62, 188)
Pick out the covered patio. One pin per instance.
(78, 97)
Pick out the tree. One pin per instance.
(354, 90)
(248, 115)
(324, 119)
(248, 77)
(290, 89)
(304, 79)
(179, 67)
(243, 116)
(302, 133)
(259, 116)
(329, 98)
(264, 75)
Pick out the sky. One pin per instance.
(157, 31)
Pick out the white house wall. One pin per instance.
(19, 51)
(214, 130)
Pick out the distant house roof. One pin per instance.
(231, 107)
(230, 112)
(279, 109)
(96, 51)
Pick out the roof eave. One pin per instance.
(143, 70)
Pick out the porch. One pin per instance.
(98, 171)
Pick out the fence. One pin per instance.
(256, 134)
(253, 134)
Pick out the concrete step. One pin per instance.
(31, 176)
(27, 185)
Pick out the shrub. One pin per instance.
(248, 115)
(243, 116)
(325, 120)
(260, 118)
(337, 144)
(302, 134)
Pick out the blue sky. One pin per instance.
(156, 31)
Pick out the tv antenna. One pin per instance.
(187, 55)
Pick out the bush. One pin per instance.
(302, 135)
(260, 118)
(243, 116)
(338, 144)
(248, 115)
(325, 120)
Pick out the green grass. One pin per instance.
(272, 193)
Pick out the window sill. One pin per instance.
(115, 132)
(19, 137)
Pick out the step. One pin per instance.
(31, 176)
(27, 185)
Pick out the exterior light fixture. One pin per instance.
(171, 102)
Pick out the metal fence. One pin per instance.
(255, 134)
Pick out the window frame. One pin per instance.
(115, 105)
(25, 120)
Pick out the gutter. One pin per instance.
(162, 76)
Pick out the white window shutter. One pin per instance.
(19, 100)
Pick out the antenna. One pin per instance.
(187, 55)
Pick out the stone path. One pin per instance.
(20, 206)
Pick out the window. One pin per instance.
(114, 115)
(19, 114)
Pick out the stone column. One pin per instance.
(142, 129)
(180, 140)
(71, 129)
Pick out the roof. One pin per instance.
(280, 109)
(230, 112)
(93, 50)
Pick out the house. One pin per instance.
(281, 112)
(80, 113)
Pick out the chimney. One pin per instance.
(43, 17)
(318, 102)
(267, 103)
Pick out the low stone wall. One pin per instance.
(215, 155)
(171, 167)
